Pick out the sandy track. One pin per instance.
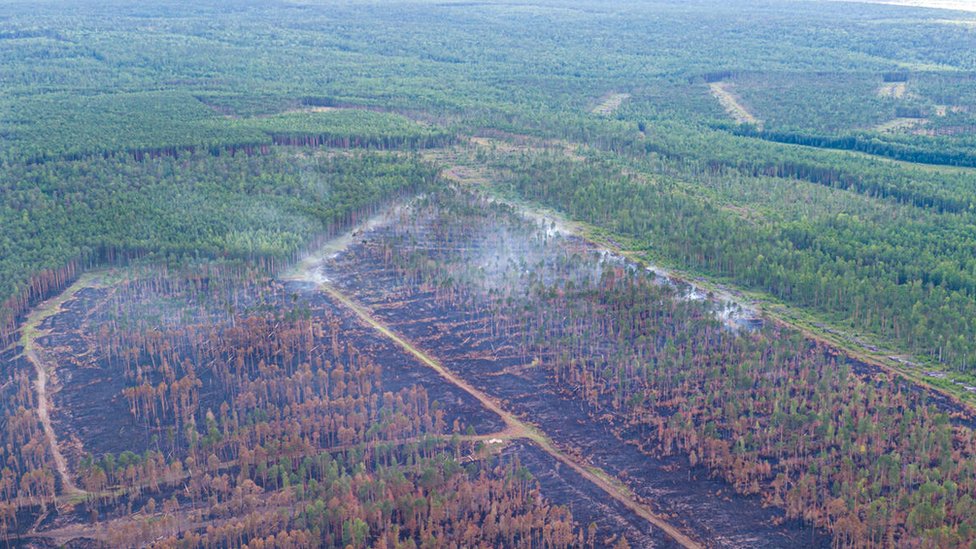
(43, 368)
(45, 417)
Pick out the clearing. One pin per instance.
(894, 90)
(732, 105)
(610, 103)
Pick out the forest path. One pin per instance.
(60, 463)
(515, 427)
(30, 332)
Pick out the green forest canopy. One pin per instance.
(97, 92)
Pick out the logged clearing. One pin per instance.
(732, 105)
(894, 90)
(610, 103)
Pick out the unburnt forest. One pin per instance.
(454, 274)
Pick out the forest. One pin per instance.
(454, 274)
(844, 450)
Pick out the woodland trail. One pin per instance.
(43, 368)
(45, 417)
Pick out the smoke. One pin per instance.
(311, 268)
(502, 250)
